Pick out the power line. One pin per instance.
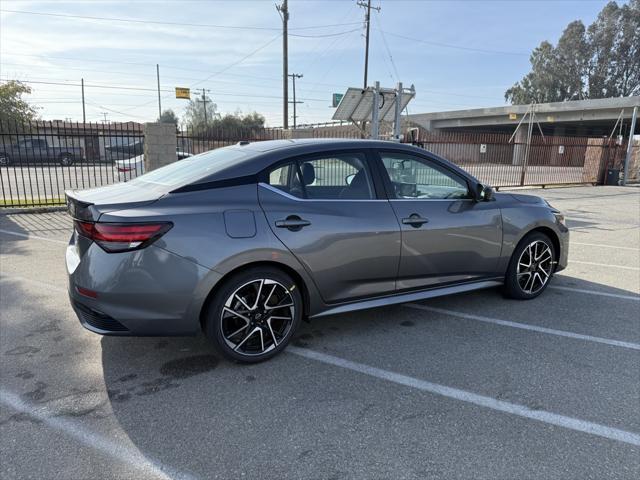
(449, 45)
(145, 89)
(386, 45)
(171, 67)
(337, 34)
(159, 22)
(237, 62)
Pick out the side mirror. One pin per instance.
(349, 178)
(483, 193)
(488, 193)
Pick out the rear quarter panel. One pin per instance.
(201, 234)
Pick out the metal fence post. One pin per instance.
(375, 122)
(397, 118)
(627, 159)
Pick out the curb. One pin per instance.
(11, 211)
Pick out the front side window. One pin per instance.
(414, 177)
(334, 177)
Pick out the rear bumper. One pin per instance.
(149, 292)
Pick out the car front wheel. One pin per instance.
(531, 267)
(254, 315)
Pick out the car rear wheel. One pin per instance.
(254, 315)
(5, 159)
(66, 159)
(531, 267)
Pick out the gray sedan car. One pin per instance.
(244, 242)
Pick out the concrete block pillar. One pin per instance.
(159, 145)
(520, 145)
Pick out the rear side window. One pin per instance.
(287, 179)
(191, 169)
(342, 176)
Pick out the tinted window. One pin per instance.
(416, 177)
(341, 176)
(335, 177)
(191, 169)
(287, 179)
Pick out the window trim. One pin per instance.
(437, 165)
(369, 161)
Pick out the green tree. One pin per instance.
(237, 121)
(194, 115)
(600, 61)
(13, 108)
(169, 116)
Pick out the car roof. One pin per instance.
(323, 143)
(262, 154)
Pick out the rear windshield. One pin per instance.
(191, 169)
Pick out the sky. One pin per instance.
(458, 54)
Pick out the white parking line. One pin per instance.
(595, 292)
(624, 267)
(129, 455)
(612, 247)
(33, 237)
(570, 423)
(526, 326)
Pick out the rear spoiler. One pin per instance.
(78, 209)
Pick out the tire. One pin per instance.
(5, 160)
(66, 159)
(528, 277)
(241, 320)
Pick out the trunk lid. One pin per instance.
(91, 204)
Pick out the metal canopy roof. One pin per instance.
(356, 104)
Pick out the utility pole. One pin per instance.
(367, 19)
(293, 77)
(105, 117)
(204, 101)
(84, 114)
(284, 14)
(159, 102)
(627, 159)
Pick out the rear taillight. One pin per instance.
(122, 237)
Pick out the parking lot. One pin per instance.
(468, 386)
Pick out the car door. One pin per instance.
(447, 236)
(327, 211)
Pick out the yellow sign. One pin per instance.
(513, 116)
(183, 93)
(550, 119)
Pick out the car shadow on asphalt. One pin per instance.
(143, 367)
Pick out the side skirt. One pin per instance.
(408, 297)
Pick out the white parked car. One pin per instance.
(130, 168)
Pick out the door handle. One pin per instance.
(415, 220)
(293, 223)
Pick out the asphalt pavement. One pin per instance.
(466, 386)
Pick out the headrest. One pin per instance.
(308, 173)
